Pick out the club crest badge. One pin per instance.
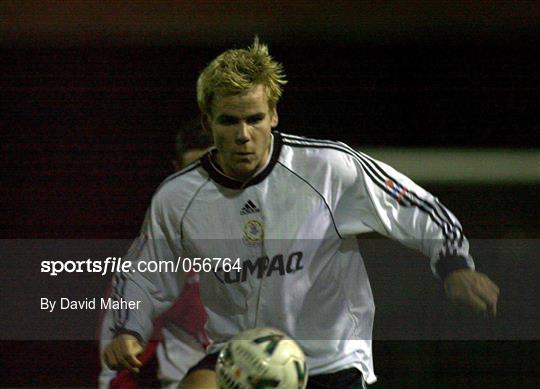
(253, 231)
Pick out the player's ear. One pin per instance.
(205, 122)
(275, 119)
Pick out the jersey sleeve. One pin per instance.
(379, 198)
(155, 290)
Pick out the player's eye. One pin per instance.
(227, 120)
(255, 119)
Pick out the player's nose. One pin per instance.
(242, 133)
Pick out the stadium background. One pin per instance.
(92, 94)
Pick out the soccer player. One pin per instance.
(178, 339)
(288, 208)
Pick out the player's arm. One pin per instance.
(153, 292)
(388, 202)
(109, 355)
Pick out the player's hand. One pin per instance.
(122, 353)
(476, 290)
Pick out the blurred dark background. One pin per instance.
(92, 94)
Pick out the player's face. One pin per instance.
(241, 126)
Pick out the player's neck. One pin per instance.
(267, 157)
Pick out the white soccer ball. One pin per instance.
(261, 358)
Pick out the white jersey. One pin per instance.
(293, 226)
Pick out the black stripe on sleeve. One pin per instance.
(454, 228)
(446, 218)
(119, 319)
(120, 316)
(377, 174)
(449, 263)
(447, 226)
(376, 179)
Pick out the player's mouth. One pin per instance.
(244, 154)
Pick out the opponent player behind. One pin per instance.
(178, 340)
(290, 208)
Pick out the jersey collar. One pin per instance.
(217, 175)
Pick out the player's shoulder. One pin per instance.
(182, 183)
(313, 147)
(312, 152)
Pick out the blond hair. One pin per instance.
(238, 70)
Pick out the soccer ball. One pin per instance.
(261, 358)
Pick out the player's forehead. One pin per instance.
(241, 105)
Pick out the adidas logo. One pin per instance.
(249, 207)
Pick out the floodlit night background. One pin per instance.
(93, 92)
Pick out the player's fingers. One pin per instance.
(118, 353)
(132, 355)
(110, 359)
(486, 283)
(475, 302)
(120, 357)
(130, 348)
(490, 300)
(473, 289)
(489, 293)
